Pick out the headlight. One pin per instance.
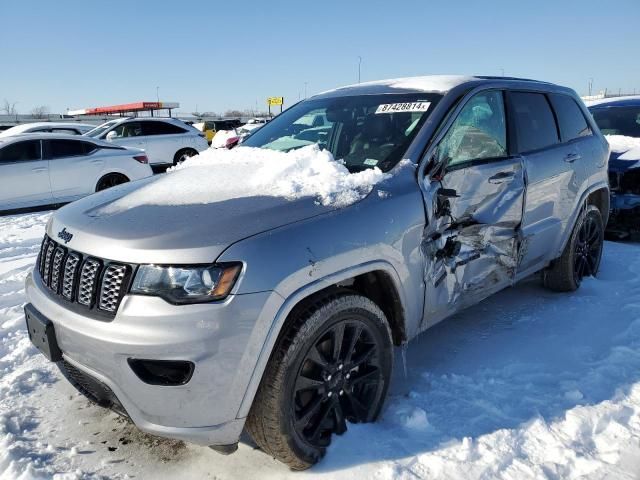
(180, 285)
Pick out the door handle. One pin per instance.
(39, 169)
(572, 157)
(501, 177)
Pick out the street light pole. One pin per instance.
(305, 89)
(359, 63)
(590, 85)
(157, 94)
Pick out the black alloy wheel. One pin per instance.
(340, 380)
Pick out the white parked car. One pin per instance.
(48, 127)
(167, 141)
(38, 169)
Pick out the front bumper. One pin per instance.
(219, 338)
(625, 213)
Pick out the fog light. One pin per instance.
(162, 372)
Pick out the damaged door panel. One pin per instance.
(472, 240)
(474, 198)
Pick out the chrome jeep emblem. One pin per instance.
(65, 236)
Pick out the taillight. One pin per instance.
(141, 158)
(231, 142)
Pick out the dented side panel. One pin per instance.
(471, 243)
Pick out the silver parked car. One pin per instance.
(167, 141)
(280, 315)
(39, 169)
(70, 128)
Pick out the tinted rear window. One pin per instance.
(160, 128)
(533, 119)
(570, 118)
(66, 148)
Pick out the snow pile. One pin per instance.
(217, 175)
(628, 146)
(220, 138)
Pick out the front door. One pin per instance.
(130, 134)
(474, 202)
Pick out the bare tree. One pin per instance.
(233, 113)
(209, 114)
(40, 112)
(9, 107)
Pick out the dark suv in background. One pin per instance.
(620, 118)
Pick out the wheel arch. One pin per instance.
(598, 195)
(108, 174)
(377, 281)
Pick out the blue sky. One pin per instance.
(219, 55)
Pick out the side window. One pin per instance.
(66, 148)
(21, 151)
(89, 147)
(570, 118)
(533, 119)
(479, 132)
(70, 131)
(128, 129)
(160, 128)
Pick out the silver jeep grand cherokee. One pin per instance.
(280, 315)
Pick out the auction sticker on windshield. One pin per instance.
(403, 107)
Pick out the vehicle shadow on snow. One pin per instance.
(524, 354)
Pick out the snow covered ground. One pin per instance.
(529, 384)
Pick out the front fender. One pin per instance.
(272, 323)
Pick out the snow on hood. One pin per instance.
(628, 146)
(217, 175)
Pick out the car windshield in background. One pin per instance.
(363, 131)
(100, 129)
(618, 120)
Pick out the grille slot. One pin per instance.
(112, 281)
(70, 274)
(88, 281)
(46, 273)
(56, 269)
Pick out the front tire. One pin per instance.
(332, 365)
(581, 257)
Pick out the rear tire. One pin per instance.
(581, 256)
(182, 155)
(332, 365)
(111, 180)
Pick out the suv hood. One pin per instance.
(171, 234)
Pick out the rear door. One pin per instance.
(73, 167)
(163, 140)
(551, 181)
(472, 237)
(24, 175)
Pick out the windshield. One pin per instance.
(618, 120)
(363, 131)
(100, 129)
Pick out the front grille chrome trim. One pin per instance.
(89, 282)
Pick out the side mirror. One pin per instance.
(111, 136)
